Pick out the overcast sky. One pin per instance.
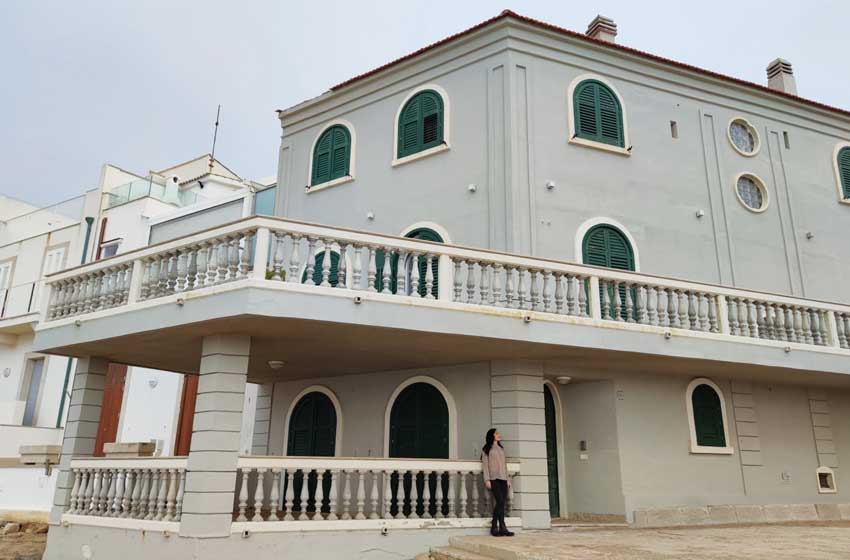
(136, 83)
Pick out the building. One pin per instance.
(628, 265)
(125, 212)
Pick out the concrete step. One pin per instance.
(485, 547)
(452, 553)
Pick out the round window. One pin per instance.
(744, 137)
(751, 193)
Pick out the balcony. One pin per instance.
(150, 188)
(378, 310)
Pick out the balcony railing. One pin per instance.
(283, 252)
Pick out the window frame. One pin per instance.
(839, 187)
(339, 420)
(695, 448)
(752, 128)
(573, 138)
(765, 192)
(829, 472)
(352, 159)
(445, 145)
(25, 386)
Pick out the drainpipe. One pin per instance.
(89, 222)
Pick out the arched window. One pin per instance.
(420, 123)
(598, 114)
(312, 427)
(318, 272)
(331, 155)
(419, 423)
(425, 234)
(707, 418)
(605, 245)
(844, 171)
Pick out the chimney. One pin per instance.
(780, 76)
(602, 28)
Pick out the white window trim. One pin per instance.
(599, 220)
(765, 192)
(573, 139)
(450, 403)
(754, 130)
(839, 190)
(703, 449)
(831, 473)
(352, 160)
(337, 406)
(445, 146)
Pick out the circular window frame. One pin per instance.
(754, 131)
(765, 192)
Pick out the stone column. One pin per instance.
(518, 411)
(262, 420)
(214, 451)
(81, 426)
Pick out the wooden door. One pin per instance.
(183, 439)
(110, 412)
(552, 453)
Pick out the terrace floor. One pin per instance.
(810, 541)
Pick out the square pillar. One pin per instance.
(81, 426)
(262, 420)
(518, 411)
(214, 451)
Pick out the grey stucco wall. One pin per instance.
(198, 221)
(364, 400)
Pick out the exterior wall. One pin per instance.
(197, 221)
(364, 400)
(151, 407)
(130, 222)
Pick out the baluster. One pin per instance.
(470, 281)
(326, 263)
(413, 289)
(486, 283)
(562, 301)
(779, 326)
(295, 260)
(414, 493)
(702, 307)
(789, 323)
(546, 301)
(451, 494)
(219, 273)
(761, 320)
(320, 494)
(125, 290)
(171, 278)
(617, 310)
(277, 256)
(302, 502)
(259, 496)
(311, 263)
(426, 495)
(385, 271)
(713, 323)
(475, 498)
(243, 496)
(131, 494)
(361, 494)
(274, 498)
(357, 270)
(246, 259)
(824, 335)
(630, 304)
(72, 503)
(289, 481)
(668, 311)
(182, 272)
(108, 501)
(346, 494)
(341, 280)
(509, 287)
(497, 286)
(606, 299)
(732, 312)
(84, 507)
(583, 310)
(743, 320)
(641, 311)
(813, 321)
(439, 498)
(798, 325)
(192, 269)
(807, 327)
(144, 494)
(534, 275)
(523, 300)
(373, 496)
(160, 499)
(846, 319)
(388, 496)
(118, 497)
(101, 492)
(154, 487)
(171, 497)
(233, 257)
(333, 495)
(372, 270)
(462, 496)
(181, 485)
(429, 276)
(652, 305)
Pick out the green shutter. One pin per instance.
(420, 124)
(312, 427)
(424, 234)
(604, 245)
(419, 424)
(708, 417)
(597, 113)
(332, 155)
(844, 171)
(317, 270)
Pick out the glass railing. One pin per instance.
(148, 187)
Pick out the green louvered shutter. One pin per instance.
(312, 427)
(598, 114)
(844, 171)
(606, 246)
(420, 125)
(331, 158)
(708, 417)
(426, 235)
(317, 271)
(419, 424)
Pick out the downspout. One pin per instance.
(89, 222)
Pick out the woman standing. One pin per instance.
(496, 480)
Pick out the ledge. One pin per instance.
(444, 147)
(600, 146)
(328, 184)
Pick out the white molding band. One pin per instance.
(696, 448)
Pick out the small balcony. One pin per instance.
(387, 302)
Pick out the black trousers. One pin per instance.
(500, 497)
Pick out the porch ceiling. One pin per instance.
(320, 336)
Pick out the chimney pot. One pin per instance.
(780, 76)
(602, 28)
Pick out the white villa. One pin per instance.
(632, 267)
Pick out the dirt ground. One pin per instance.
(22, 545)
(810, 541)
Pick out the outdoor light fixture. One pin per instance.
(276, 364)
(563, 380)
(550, 185)
(472, 187)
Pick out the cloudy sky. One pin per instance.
(137, 83)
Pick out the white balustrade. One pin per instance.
(149, 489)
(358, 489)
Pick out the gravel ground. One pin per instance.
(812, 541)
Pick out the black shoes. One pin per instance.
(503, 529)
(494, 529)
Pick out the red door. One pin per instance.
(187, 415)
(113, 395)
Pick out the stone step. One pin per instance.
(485, 547)
(452, 553)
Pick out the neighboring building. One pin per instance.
(626, 264)
(124, 213)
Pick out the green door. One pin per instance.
(605, 245)
(552, 453)
(312, 433)
(419, 429)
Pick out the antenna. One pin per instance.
(215, 137)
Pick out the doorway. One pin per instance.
(552, 452)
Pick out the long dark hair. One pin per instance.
(489, 440)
